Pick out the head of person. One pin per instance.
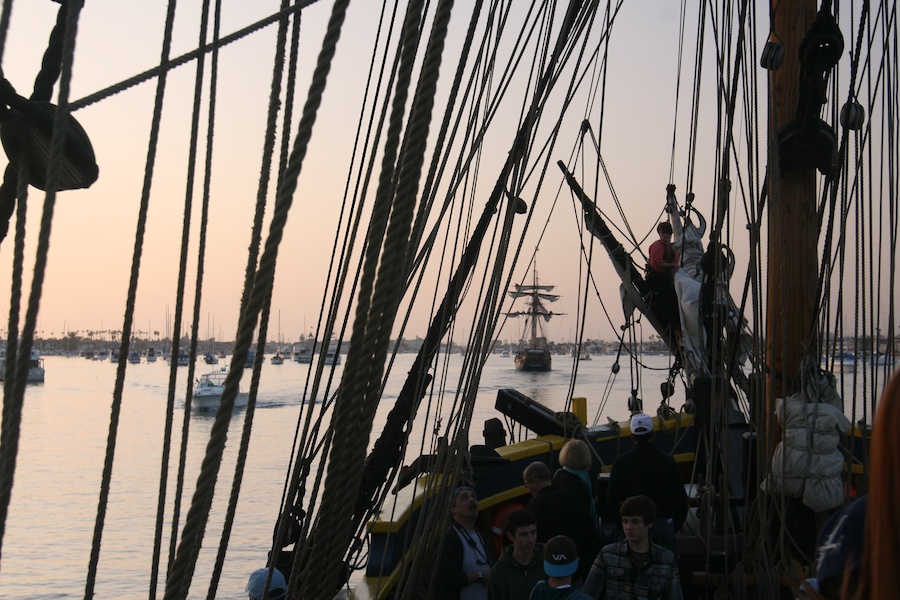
(575, 455)
(664, 229)
(464, 505)
(641, 428)
(256, 586)
(638, 514)
(879, 576)
(520, 528)
(840, 546)
(536, 476)
(560, 557)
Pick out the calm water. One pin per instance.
(64, 429)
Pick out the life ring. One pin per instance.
(497, 538)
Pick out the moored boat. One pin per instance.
(36, 370)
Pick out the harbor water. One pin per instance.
(65, 424)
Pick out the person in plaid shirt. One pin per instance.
(635, 568)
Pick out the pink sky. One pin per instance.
(93, 232)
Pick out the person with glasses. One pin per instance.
(560, 512)
(464, 564)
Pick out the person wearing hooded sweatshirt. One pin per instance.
(560, 563)
(521, 564)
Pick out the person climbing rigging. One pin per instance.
(664, 263)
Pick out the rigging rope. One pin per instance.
(195, 522)
(14, 394)
(361, 385)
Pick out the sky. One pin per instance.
(93, 235)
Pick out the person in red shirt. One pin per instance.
(664, 262)
(664, 257)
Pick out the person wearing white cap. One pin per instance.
(647, 471)
(256, 587)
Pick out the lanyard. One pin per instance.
(481, 556)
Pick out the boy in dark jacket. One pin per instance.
(521, 564)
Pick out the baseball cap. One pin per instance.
(257, 584)
(841, 541)
(641, 424)
(461, 489)
(560, 557)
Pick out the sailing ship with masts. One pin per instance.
(363, 503)
(534, 353)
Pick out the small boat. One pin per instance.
(208, 391)
(151, 355)
(134, 358)
(251, 357)
(302, 353)
(333, 357)
(183, 359)
(277, 358)
(210, 358)
(114, 356)
(36, 369)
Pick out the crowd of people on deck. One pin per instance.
(552, 549)
(553, 544)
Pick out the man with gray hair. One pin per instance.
(464, 564)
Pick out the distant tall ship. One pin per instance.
(536, 355)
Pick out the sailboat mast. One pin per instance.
(792, 222)
(534, 308)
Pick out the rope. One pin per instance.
(187, 57)
(12, 409)
(15, 395)
(195, 523)
(360, 388)
(267, 159)
(43, 91)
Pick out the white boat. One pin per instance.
(151, 355)
(210, 358)
(302, 353)
(134, 358)
(278, 358)
(36, 369)
(208, 391)
(333, 357)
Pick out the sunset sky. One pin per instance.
(93, 232)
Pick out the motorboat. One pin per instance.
(36, 369)
(208, 391)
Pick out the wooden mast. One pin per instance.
(792, 223)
